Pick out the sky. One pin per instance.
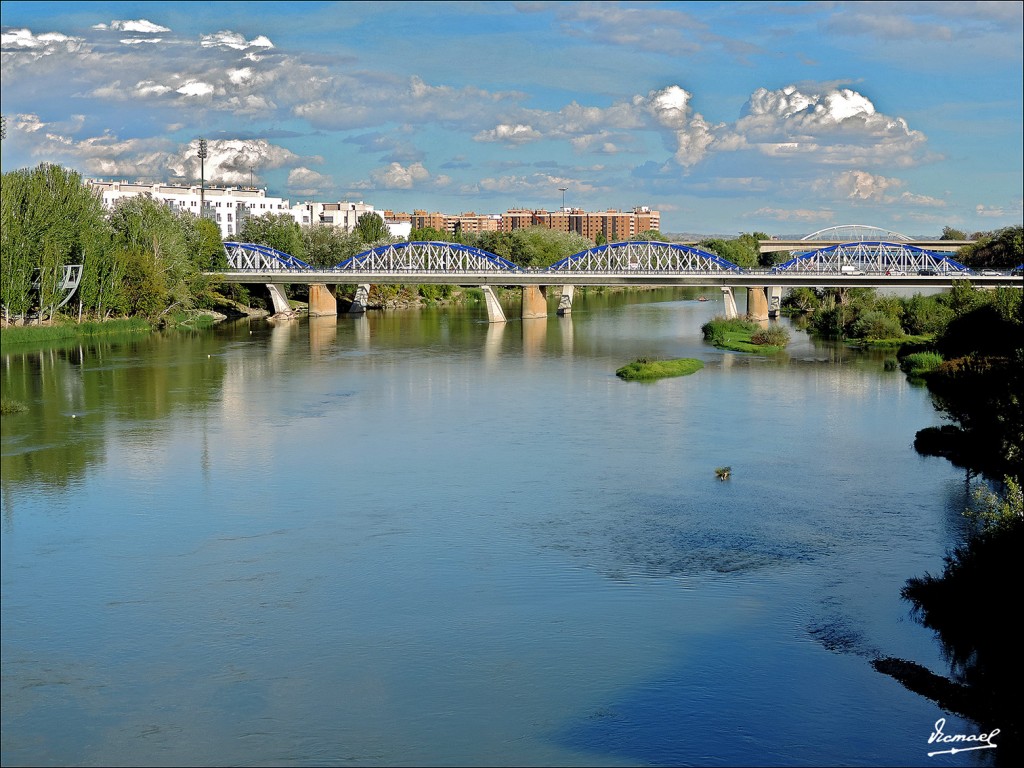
(778, 117)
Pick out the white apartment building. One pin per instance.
(227, 206)
(346, 215)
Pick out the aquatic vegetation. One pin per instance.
(644, 369)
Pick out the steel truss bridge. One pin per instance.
(851, 264)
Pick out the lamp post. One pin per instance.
(250, 177)
(202, 178)
(562, 190)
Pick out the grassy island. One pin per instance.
(742, 335)
(644, 369)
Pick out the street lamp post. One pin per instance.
(202, 177)
(562, 190)
(250, 177)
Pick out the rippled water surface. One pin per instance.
(415, 538)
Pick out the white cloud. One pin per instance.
(234, 40)
(397, 176)
(141, 25)
(305, 182)
(140, 40)
(835, 126)
(194, 88)
(513, 134)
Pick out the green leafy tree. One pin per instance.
(600, 239)
(161, 268)
(1002, 249)
(650, 235)
(498, 243)
(48, 219)
(277, 230)
(948, 233)
(371, 229)
(325, 245)
(542, 247)
(429, 234)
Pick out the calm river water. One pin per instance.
(415, 538)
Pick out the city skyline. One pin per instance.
(725, 117)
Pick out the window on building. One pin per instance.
(218, 218)
(229, 217)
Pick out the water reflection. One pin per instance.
(419, 537)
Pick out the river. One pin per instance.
(416, 538)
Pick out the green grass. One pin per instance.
(741, 335)
(644, 369)
(919, 364)
(38, 334)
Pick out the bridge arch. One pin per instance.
(643, 256)
(848, 233)
(874, 257)
(261, 257)
(424, 256)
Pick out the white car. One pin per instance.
(990, 273)
(895, 272)
(849, 269)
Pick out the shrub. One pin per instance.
(772, 336)
(920, 364)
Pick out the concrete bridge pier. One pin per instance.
(361, 299)
(774, 300)
(279, 300)
(495, 314)
(565, 300)
(730, 304)
(321, 301)
(757, 303)
(535, 302)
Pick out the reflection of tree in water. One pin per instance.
(70, 387)
(978, 631)
(978, 388)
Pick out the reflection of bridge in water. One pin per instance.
(845, 262)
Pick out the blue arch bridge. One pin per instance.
(853, 256)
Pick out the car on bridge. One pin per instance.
(849, 269)
(927, 272)
(990, 273)
(895, 272)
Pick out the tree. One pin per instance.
(277, 230)
(371, 229)
(429, 234)
(948, 233)
(48, 219)
(326, 246)
(1002, 249)
(157, 246)
(650, 235)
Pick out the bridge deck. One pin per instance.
(541, 277)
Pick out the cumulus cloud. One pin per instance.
(230, 161)
(837, 126)
(141, 25)
(234, 40)
(305, 182)
(864, 187)
(397, 176)
(512, 134)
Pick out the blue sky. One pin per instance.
(727, 117)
